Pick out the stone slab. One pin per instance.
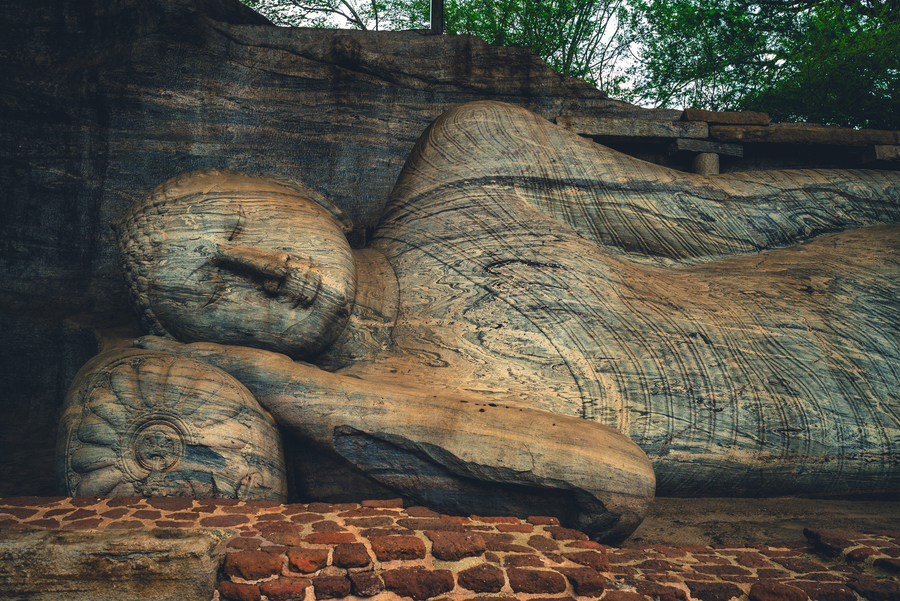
(802, 133)
(881, 152)
(632, 129)
(694, 145)
(729, 117)
(114, 565)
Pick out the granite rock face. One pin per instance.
(100, 101)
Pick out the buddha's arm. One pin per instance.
(471, 438)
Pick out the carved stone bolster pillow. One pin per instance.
(139, 422)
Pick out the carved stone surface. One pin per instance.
(523, 278)
(139, 422)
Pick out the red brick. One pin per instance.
(306, 518)
(238, 592)
(503, 543)
(861, 554)
(365, 584)
(721, 571)
(270, 517)
(293, 508)
(560, 533)
(542, 543)
(27, 512)
(430, 524)
(592, 559)
(331, 587)
(540, 520)
(351, 555)
(88, 524)
(891, 564)
(585, 581)
(752, 560)
(456, 519)
(368, 512)
(495, 519)
(84, 501)
(218, 502)
(453, 546)
(623, 596)
(330, 538)
(418, 583)
(714, 591)
(524, 561)
(370, 522)
(244, 544)
(658, 565)
(824, 591)
(252, 565)
(307, 561)
(625, 555)
(388, 548)
(281, 533)
(124, 501)
(184, 515)
(421, 512)
(170, 503)
(47, 514)
(483, 578)
(523, 580)
(585, 544)
(712, 559)
(384, 503)
(800, 565)
(285, 589)
(659, 592)
(51, 524)
(125, 525)
(875, 589)
(527, 528)
(223, 521)
(328, 526)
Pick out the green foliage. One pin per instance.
(575, 37)
(827, 61)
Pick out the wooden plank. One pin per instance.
(632, 128)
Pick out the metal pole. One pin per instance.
(437, 17)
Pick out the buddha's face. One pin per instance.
(247, 262)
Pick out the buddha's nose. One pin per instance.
(281, 274)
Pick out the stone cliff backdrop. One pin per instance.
(100, 100)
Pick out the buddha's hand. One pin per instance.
(256, 369)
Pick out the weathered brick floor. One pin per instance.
(379, 550)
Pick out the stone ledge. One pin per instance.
(275, 553)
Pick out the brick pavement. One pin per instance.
(380, 550)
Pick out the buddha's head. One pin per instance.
(221, 256)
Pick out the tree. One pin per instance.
(833, 62)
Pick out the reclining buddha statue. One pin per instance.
(542, 324)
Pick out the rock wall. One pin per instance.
(102, 100)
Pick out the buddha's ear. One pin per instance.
(343, 220)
